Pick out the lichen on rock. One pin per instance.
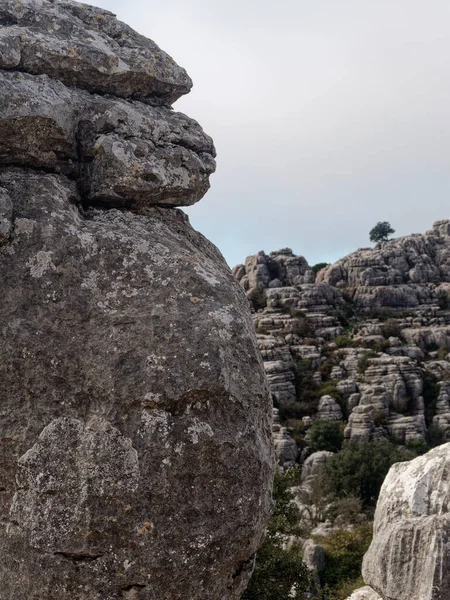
(135, 448)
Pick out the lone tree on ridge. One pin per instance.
(381, 232)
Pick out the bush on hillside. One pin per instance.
(258, 298)
(391, 328)
(344, 551)
(360, 467)
(298, 410)
(325, 435)
(318, 267)
(280, 573)
(365, 361)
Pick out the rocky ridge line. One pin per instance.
(369, 338)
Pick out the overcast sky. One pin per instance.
(327, 116)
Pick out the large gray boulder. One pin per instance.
(86, 47)
(135, 445)
(123, 154)
(409, 556)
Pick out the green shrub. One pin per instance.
(278, 570)
(298, 410)
(378, 346)
(365, 361)
(305, 386)
(379, 417)
(382, 314)
(349, 509)
(360, 468)
(443, 300)
(329, 388)
(296, 429)
(345, 315)
(343, 341)
(318, 267)
(391, 329)
(325, 435)
(430, 394)
(342, 591)
(297, 313)
(417, 446)
(344, 551)
(325, 369)
(258, 298)
(302, 327)
(431, 347)
(435, 436)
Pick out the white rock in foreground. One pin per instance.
(409, 557)
(365, 593)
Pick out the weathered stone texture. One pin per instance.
(86, 47)
(369, 329)
(364, 593)
(123, 154)
(409, 555)
(402, 273)
(135, 450)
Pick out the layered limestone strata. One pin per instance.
(135, 446)
(403, 273)
(384, 366)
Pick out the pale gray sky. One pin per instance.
(327, 116)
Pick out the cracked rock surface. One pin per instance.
(408, 557)
(135, 446)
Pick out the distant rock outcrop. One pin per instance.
(285, 447)
(367, 343)
(135, 451)
(409, 556)
(403, 273)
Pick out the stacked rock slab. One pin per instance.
(135, 452)
(410, 553)
(379, 362)
(404, 273)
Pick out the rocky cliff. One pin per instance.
(365, 343)
(404, 273)
(135, 453)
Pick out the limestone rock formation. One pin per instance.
(367, 343)
(364, 593)
(403, 273)
(312, 467)
(409, 555)
(285, 447)
(86, 47)
(135, 452)
(329, 409)
(314, 558)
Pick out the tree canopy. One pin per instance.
(381, 232)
